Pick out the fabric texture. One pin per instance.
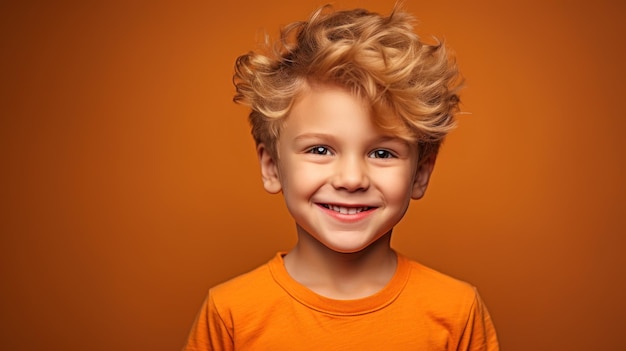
(419, 309)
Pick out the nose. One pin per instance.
(351, 174)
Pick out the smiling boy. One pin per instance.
(348, 114)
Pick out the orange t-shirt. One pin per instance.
(419, 309)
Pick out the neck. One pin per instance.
(340, 275)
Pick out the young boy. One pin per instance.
(348, 112)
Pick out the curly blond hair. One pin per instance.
(412, 86)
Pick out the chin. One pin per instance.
(349, 246)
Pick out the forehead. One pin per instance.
(327, 107)
(323, 107)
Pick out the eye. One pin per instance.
(319, 150)
(381, 153)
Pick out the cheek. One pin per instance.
(300, 179)
(396, 186)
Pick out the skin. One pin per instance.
(346, 184)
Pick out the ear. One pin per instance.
(422, 176)
(269, 170)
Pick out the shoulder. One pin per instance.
(439, 292)
(246, 292)
(451, 305)
(435, 280)
(242, 283)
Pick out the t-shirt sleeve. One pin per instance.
(209, 332)
(479, 333)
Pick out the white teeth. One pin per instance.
(347, 210)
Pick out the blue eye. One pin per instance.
(381, 153)
(319, 150)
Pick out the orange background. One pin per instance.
(130, 185)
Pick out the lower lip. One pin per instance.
(347, 218)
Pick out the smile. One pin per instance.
(346, 210)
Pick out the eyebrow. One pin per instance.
(314, 136)
(329, 137)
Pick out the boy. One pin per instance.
(348, 113)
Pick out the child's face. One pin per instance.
(344, 181)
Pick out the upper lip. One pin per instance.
(349, 210)
(344, 205)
